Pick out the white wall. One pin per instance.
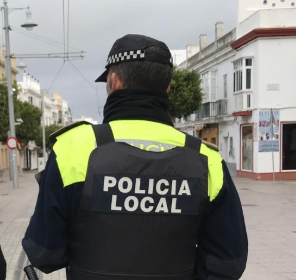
(268, 19)
(277, 65)
(249, 7)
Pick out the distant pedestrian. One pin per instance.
(2, 266)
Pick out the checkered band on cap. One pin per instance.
(125, 56)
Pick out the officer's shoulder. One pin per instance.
(210, 145)
(53, 137)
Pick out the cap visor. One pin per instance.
(103, 77)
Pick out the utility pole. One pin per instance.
(13, 153)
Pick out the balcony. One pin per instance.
(243, 101)
(212, 109)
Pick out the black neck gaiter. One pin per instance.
(137, 105)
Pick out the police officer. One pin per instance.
(134, 198)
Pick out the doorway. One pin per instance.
(247, 148)
(289, 147)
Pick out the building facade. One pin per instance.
(61, 113)
(249, 102)
(14, 71)
(56, 111)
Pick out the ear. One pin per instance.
(168, 89)
(116, 83)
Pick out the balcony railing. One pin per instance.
(212, 109)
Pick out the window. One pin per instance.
(55, 117)
(242, 76)
(205, 86)
(30, 99)
(231, 148)
(213, 85)
(248, 101)
(225, 85)
(238, 74)
(60, 117)
(249, 73)
(209, 86)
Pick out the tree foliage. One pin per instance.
(31, 116)
(186, 94)
(48, 131)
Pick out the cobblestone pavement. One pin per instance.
(270, 212)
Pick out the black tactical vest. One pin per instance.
(140, 212)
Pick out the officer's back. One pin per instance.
(134, 198)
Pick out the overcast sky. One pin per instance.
(95, 25)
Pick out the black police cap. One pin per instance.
(134, 47)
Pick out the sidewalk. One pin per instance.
(270, 213)
(16, 208)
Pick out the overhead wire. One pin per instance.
(42, 39)
(33, 37)
(78, 71)
(95, 88)
(57, 75)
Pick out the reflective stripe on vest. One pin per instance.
(74, 147)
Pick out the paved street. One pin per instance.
(269, 210)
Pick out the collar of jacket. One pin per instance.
(147, 105)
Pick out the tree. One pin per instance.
(30, 115)
(48, 131)
(30, 127)
(4, 117)
(186, 93)
(4, 111)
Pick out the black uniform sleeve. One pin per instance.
(2, 266)
(222, 243)
(47, 236)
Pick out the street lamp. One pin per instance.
(29, 25)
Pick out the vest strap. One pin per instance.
(103, 133)
(192, 142)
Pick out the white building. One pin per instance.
(49, 107)
(179, 56)
(249, 106)
(83, 118)
(30, 92)
(56, 111)
(61, 112)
